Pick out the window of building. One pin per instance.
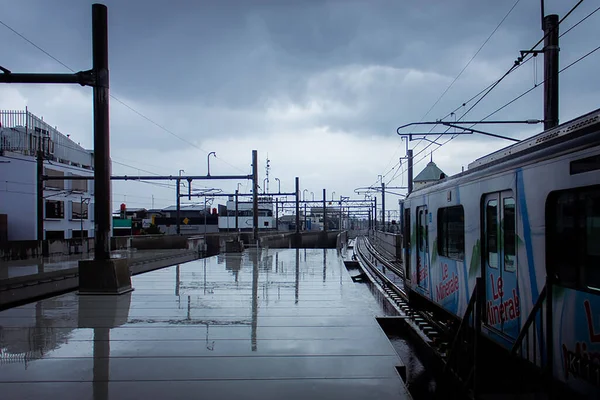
(55, 235)
(79, 210)
(77, 234)
(79, 185)
(573, 234)
(54, 184)
(55, 209)
(451, 232)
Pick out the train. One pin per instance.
(523, 221)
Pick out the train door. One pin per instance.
(500, 264)
(422, 247)
(407, 244)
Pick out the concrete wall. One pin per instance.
(390, 242)
(305, 240)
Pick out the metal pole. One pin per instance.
(324, 211)
(40, 196)
(205, 219)
(178, 206)
(189, 189)
(255, 193)
(102, 167)
(276, 213)
(304, 216)
(375, 214)
(409, 154)
(236, 211)
(81, 223)
(383, 206)
(297, 205)
(551, 71)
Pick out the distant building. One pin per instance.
(266, 219)
(430, 173)
(68, 204)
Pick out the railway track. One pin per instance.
(388, 275)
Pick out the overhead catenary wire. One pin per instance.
(458, 76)
(114, 97)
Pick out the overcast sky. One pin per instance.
(319, 86)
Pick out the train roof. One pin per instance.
(553, 133)
(568, 132)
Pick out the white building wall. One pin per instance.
(18, 196)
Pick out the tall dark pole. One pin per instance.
(324, 210)
(375, 214)
(383, 206)
(276, 213)
(40, 196)
(236, 211)
(305, 216)
(409, 154)
(551, 71)
(178, 202)
(255, 193)
(297, 205)
(102, 168)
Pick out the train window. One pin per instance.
(420, 228)
(491, 228)
(451, 232)
(573, 222)
(510, 239)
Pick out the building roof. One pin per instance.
(430, 173)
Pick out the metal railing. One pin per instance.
(461, 359)
(534, 342)
(25, 133)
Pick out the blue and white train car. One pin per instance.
(526, 219)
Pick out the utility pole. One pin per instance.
(383, 206)
(40, 196)
(324, 211)
(255, 193)
(409, 154)
(551, 50)
(276, 213)
(375, 214)
(236, 211)
(304, 215)
(102, 187)
(178, 217)
(297, 205)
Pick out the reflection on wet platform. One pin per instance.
(272, 323)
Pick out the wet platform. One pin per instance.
(31, 267)
(266, 324)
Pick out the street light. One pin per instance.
(304, 197)
(265, 185)
(332, 194)
(279, 187)
(238, 186)
(208, 160)
(313, 195)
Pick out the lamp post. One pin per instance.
(238, 186)
(279, 185)
(332, 195)
(313, 195)
(208, 160)
(303, 196)
(265, 185)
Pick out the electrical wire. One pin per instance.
(116, 98)
(458, 76)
